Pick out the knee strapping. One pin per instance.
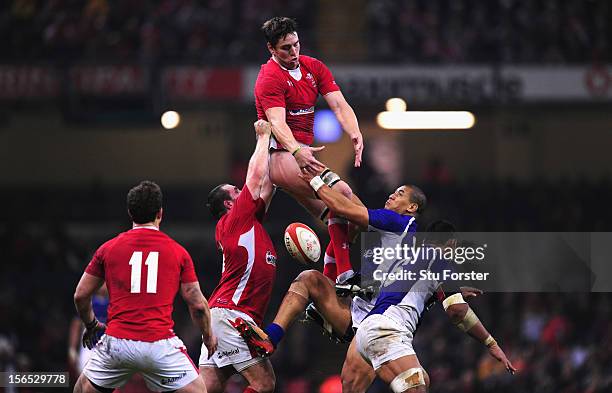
(411, 378)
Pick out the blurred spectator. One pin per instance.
(473, 31)
(128, 30)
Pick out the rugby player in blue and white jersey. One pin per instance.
(341, 317)
(384, 337)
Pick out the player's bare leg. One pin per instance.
(83, 385)
(390, 370)
(195, 386)
(284, 173)
(260, 377)
(311, 285)
(357, 375)
(215, 378)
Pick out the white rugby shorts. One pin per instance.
(380, 339)
(231, 348)
(164, 364)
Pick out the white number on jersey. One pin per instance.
(246, 240)
(136, 263)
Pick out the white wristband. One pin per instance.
(316, 183)
(457, 298)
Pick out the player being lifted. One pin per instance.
(286, 91)
(249, 268)
(143, 269)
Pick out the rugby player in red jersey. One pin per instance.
(143, 269)
(286, 91)
(249, 268)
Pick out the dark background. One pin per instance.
(83, 85)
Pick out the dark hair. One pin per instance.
(418, 196)
(144, 202)
(439, 232)
(277, 28)
(215, 200)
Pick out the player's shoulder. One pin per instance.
(110, 243)
(170, 242)
(390, 220)
(269, 68)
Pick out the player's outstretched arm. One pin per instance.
(87, 286)
(259, 162)
(282, 133)
(337, 202)
(200, 313)
(465, 319)
(347, 119)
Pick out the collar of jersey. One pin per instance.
(147, 227)
(286, 69)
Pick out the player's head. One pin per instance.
(144, 203)
(283, 42)
(407, 199)
(440, 233)
(221, 199)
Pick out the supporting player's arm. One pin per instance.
(462, 316)
(347, 119)
(87, 286)
(259, 162)
(200, 313)
(303, 154)
(267, 190)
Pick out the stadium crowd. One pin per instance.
(139, 30)
(560, 342)
(416, 31)
(505, 31)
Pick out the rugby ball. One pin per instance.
(302, 243)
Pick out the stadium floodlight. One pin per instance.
(396, 105)
(397, 118)
(170, 120)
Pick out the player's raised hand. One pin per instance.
(306, 160)
(93, 331)
(211, 344)
(307, 174)
(357, 140)
(262, 127)
(499, 354)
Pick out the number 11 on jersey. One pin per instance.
(136, 263)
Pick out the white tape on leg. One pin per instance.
(408, 379)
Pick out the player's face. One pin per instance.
(233, 192)
(287, 51)
(399, 201)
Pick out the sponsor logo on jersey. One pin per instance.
(290, 84)
(298, 112)
(270, 258)
(170, 380)
(229, 353)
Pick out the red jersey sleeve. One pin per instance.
(188, 273)
(325, 79)
(270, 92)
(96, 265)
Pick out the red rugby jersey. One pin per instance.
(249, 258)
(143, 269)
(276, 87)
